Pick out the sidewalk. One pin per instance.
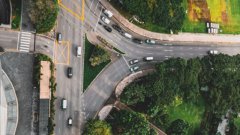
(181, 37)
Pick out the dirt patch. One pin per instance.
(198, 10)
(224, 17)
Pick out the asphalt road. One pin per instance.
(70, 89)
(103, 86)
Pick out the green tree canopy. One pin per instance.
(97, 127)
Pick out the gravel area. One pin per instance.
(19, 68)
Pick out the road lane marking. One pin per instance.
(168, 50)
(76, 15)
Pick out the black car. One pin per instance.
(69, 72)
(137, 40)
(117, 28)
(107, 28)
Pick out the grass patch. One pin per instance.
(237, 122)
(195, 27)
(16, 13)
(90, 72)
(190, 112)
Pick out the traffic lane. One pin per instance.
(103, 86)
(45, 46)
(9, 40)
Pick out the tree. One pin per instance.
(98, 56)
(133, 94)
(97, 127)
(129, 123)
(43, 14)
(178, 127)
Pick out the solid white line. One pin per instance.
(18, 40)
(24, 45)
(26, 35)
(25, 38)
(167, 56)
(24, 48)
(125, 61)
(27, 43)
(168, 50)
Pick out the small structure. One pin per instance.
(212, 28)
(44, 97)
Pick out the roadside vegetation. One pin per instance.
(53, 84)
(197, 92)
(97, 127)
(157, 15)
(94, 62)
(182, 15)
(16, 13)
(43, 14)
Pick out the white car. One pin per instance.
(133, 61)
(132, 69)
(108, 13)
(69, 121)
(150, 41)
(79, 51)
(213, 52)
(105, 20)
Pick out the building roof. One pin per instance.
(43, 116)
(45, 80)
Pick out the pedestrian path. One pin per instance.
(25, 41)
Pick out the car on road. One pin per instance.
(108, 13)
(133, 61)
(148, 58)
(150, 41)
(135, 68)
(59, 37)
(107, 28)
(127, 35)
(69, 72)
(69, 121)
(117, 28)
(105, 20)
(64, 104)
(79, 51)
(137, 40)
(213, 52)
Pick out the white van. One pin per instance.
(64, 104)
(79, 51)
(105, 20)
(127, 35)
(148, 58)
(108, 13)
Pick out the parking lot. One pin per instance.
(19, 68)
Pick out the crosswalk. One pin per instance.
(24, 41)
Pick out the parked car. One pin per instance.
(213, 52)
(59, 37)
(137, 40)
(132, 69)
(105, 20)
(150, 41)
(133, 61)
(79, 51)
(117, 28)
(107, 28)
(108, 13)
(69, 72)
(69, 121)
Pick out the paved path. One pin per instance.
(181, 37)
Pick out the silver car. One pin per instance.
(133, 61)
(132, 69)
